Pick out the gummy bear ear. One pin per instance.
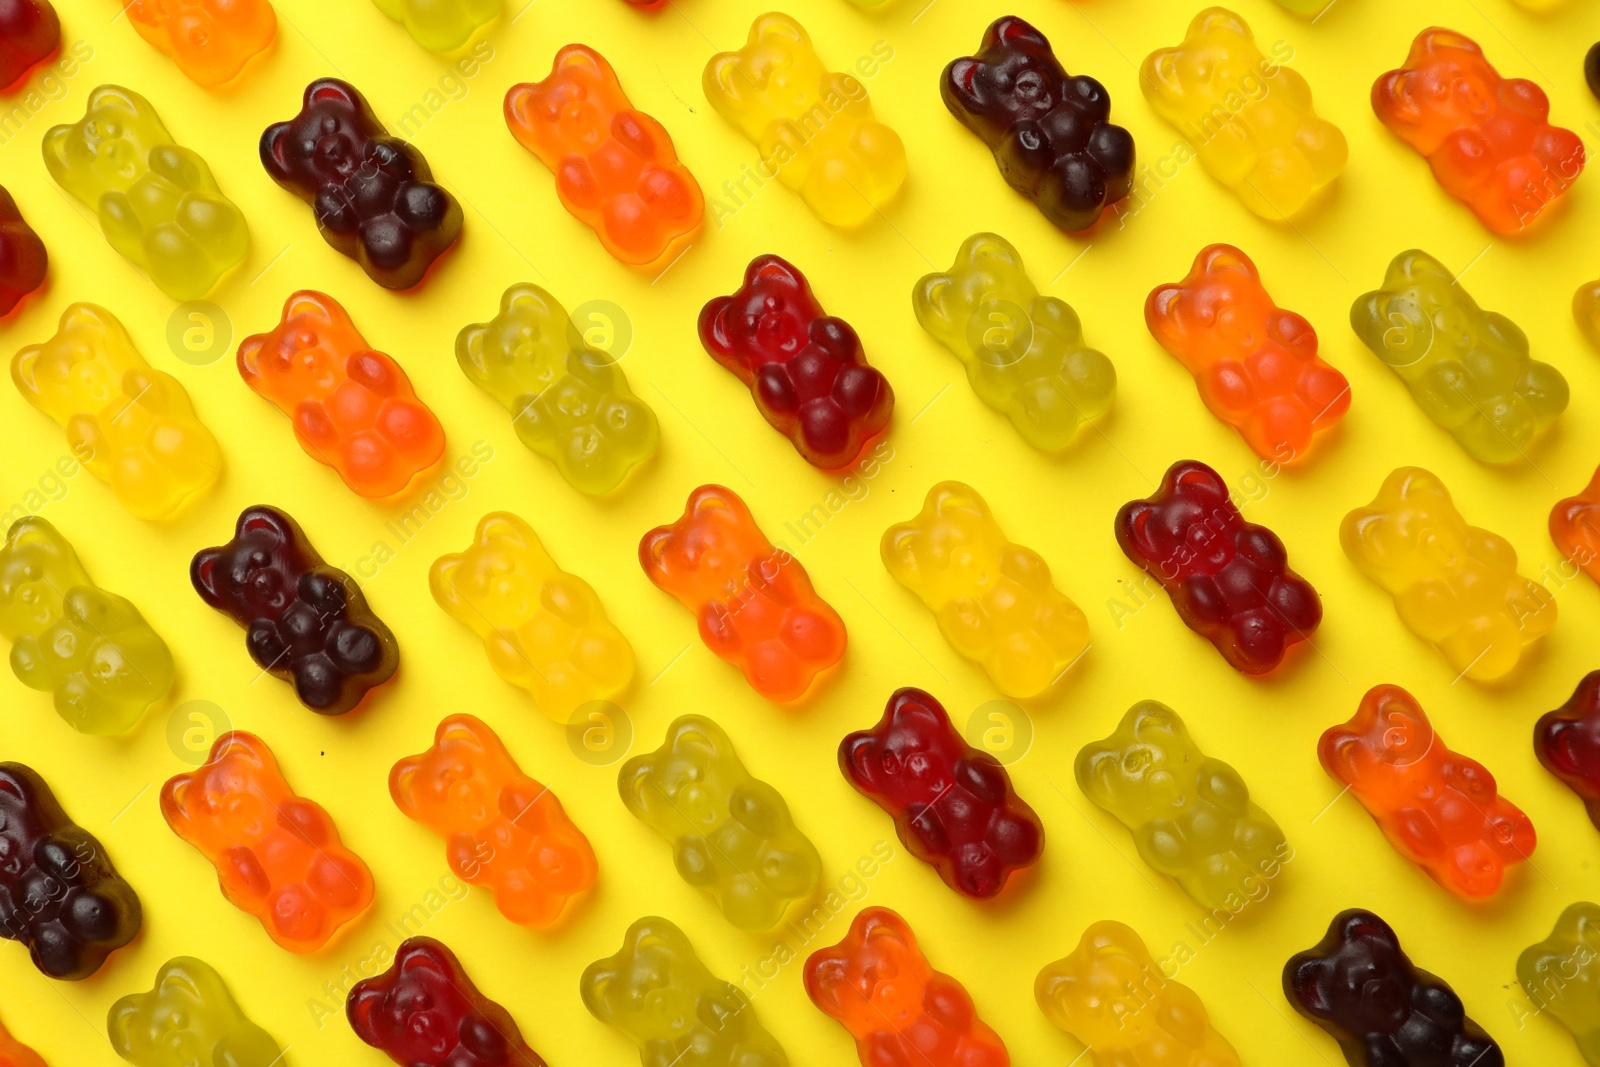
(33, 531)
(263, 518)
(364, 999)
(332, 91)
(579, 57)
(1150, 718)
(777, 27)
(319, 307)
(1219, 20)
(714, 331)
(401, 788)
(203, 575)
(1014, 31)
(768, 271)
(442, 579)
(1221, 257)
(124, 1013)
(469, 352)
(505, 527)
(858, 754)
(697, 731)
(55, 150)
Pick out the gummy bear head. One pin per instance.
(1222, 291)
(767, 320)
(457, 782)
(1109, 992)
(1358, 978)
(708, 550)
(81, 369)
(187, 1018)
(1421, 316)
(1447, 77)
(1411, 530)
(501, 576)
(521, 351)
(222, 802)
(687, 774)
(423, 1011)
(1218, 59)
(985, 279)
(1013, 77)
(875, 978)
(1148, 767)
(571, 111)
(38, 568)
(912, 750)
(328, 141)
(256, 574)
(655, 989)
(1390, 728)
(951, 540)
(306, 353)
(109, 148)
(776, 73)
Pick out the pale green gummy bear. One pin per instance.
(188, 1018)
(1561, 974)
(441, 25)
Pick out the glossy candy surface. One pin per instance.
(23, 260)
(1256, 364)
(1024, 353)
(14, 1053)
(754, 603)
(1050, 132)
(304, 621)
(502, 830)
(352, 407)
(1567, 742)
(1455, 586)
(1575, 527)
(846, 168)
(30, 32)
(953, 805)
(189, 1018)
(441, 25)
(211, 42)
(1561, 975)
(88, 647)
(615, 167)
(1229, 579)
(1438, 808)
(157, 202)
(731, 834)
(373, 195)
(994, 600)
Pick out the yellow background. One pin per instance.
(516, 231)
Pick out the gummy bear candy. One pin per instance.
(1586, 309)
(1487, 138)
(1229, 579)
(1304, 8)
(1256, 365)
(731, 834)
(1112, 996)
(1467, 369)
(569, 402)
(189, 1018)
(1567, 742)
(1591, 69)
(1024, 353)
(352, 407)
(1438, 808)
(304, 621)
(132, 426)
(1050, 132)
(813, 127)
(953, 805)
(91, 648)
(754, 603)
(278, 856)
(1190, 814)
(615, 167)
(656, 991)
(1360, 986)
(441, 26)
(1575, 527)
(1272, 150)
(424, 1011)
(805, 370)
(157, 202)
(23, 260)
(882, 989)
(1561, 975)
(373, 195)
(994, 600)
(30, 32)
(211, 42)
(1455, 586)
(14, 1053)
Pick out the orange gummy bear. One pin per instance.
(755, 603)
(278, 856)
(353, 408)
(14, 1053)
(1575, 527)
(881, 988)
(210, 42)
(615, 167)
(501, 828)
(1256, 364)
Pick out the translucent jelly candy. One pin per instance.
(133, 426)
(158, 203)
(994, 600)
(1190, 814)
(188, 1018)
(846, 165)
(615, 167)
(1272, 151)
(1567, 742)
(211, 42)
(882, 989)
(1586, 306)
(278, 856)
(352, 407)
(543, 628)
(14, 1053)
(754, 603)
(656, 991)
(23, 260)
(88, 647)
(569, 403)
(30, 32)
(441, 26)
(1467, 369)
(1439, 809)
(1256, 364)
(1112, 996)
(1024, 353)
(1561, 975)
(1575, 527)
(1487, 138)
(502, 829)
(1455, 586)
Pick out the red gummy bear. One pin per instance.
(22, 256)
(1567, 742)
(1439, 809)
(805, 369)
(1487, 138)
(29, 33)
(953, 805)
(1229, 579)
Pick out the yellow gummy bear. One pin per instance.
(1454, 585)
(132, 425)
(1024, 353)
(569, 403)
(994, 600)
(441, 25)
(1561, 975)
(814, 128)
(90, 648)
(157, 202)
(189, 1018)
(1111, 995)
(544, 629)
(1250, 120)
